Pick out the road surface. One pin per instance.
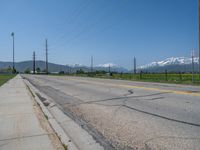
(127, 114)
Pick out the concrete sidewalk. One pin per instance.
(22, 124)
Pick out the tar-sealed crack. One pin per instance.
(98, 137)
(73, 103)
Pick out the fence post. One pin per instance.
(140, 74)
(166, 77)
(180, 76)
(121, 75)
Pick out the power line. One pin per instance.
(63, 37)
(72, 17)
(89, 27)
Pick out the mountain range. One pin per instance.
(173, 64)
(24, 65)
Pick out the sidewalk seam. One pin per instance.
(28, 136)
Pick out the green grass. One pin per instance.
(5, 77)
(177, 78)
(164, 78)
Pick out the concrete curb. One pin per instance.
(64, 138)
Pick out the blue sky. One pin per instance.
(110, 30)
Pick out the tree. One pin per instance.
(9, 70)
(38, 69)
(80, 71)
(27, 71)
(61, 72)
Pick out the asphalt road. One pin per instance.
(129, 115)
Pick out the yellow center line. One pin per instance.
(140, 87)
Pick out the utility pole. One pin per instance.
(192, 53)
(134, 66)
(13, 35)
(34, 62)
(199, 39)
(46, 57)
(91, 63)
(109, 69)
(69, 69)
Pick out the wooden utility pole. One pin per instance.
(199, 38)
(192, 55)
(109, 69)
(91, 63)
(13, 35)
(46, 57)
(134, 61)
(33, 62)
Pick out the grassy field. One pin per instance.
(166, 78)
(5, 77)
(178, 78)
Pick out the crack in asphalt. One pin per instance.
(172, 137)
(128, 97)
(124, 100)
(152, 114)
(98, 137)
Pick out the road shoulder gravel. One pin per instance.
(69, 132)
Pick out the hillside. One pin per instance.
(22, 66)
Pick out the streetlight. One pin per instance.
(13, 35)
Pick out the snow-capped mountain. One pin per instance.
(111, 66)
(171, 61)
(107, 65)
(173, 64)
(76, 65)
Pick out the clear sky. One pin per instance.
(111, 30)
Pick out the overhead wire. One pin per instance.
(73, 16)
(89, 27)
